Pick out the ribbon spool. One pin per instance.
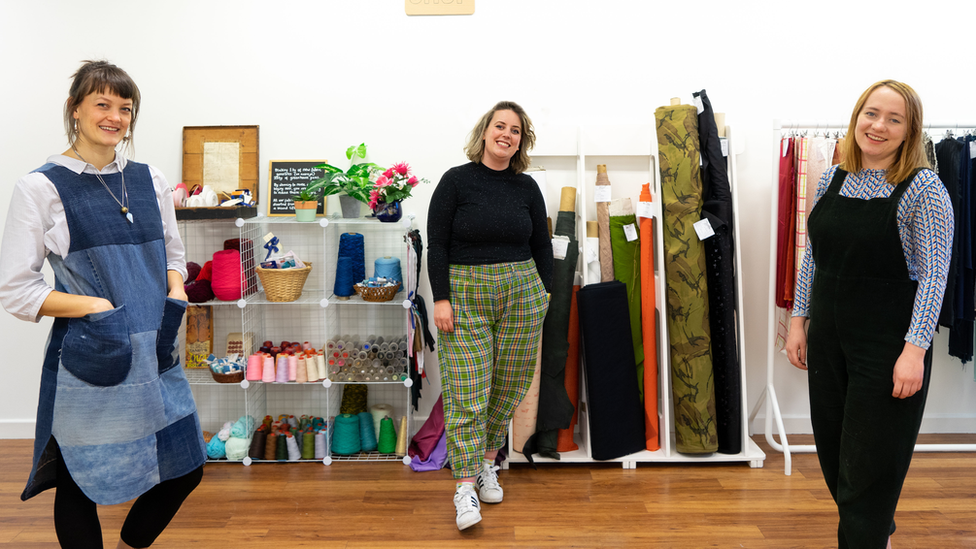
(388, 437)
(345, 440)
(380, 411)
(367, 437)
(388, 268)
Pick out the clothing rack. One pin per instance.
(768, 395)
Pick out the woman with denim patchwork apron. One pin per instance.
(490, 266)
(116, 420)
(871, 284)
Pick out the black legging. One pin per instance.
(76, 518)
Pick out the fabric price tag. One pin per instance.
(699, 104)
(704, 229)
(724, 141)
(645, 209)
(560, 244)
(630, 232)
(972, 150)
(601, 193)
(591, 254)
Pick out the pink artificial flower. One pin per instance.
(413, 181)
(402, 168)
(374, 198)
(382, 181)
(388, 173)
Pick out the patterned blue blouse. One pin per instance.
(925, 224)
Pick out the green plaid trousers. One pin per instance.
(487, 362)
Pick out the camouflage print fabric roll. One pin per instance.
(692, 382)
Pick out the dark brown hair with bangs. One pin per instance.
(99, 77)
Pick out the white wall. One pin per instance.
(320, 75)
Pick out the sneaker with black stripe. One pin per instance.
(467, 506)
(487, 481)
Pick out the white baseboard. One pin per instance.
(939, 423)
(17, 428)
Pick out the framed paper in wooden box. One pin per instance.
(224, 157)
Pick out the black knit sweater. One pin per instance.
(479, 216)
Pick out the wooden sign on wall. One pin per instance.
(439, 7)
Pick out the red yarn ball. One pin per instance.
(226, 281)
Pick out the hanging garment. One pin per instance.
(692, 378)
(949, 154)
(861, 307)
(616, 419)
(555, 408)
(961, 335)
(784, 239)
(720, 270)
(113, 395)
(649, 325)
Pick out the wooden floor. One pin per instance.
(351, 505)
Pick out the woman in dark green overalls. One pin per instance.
(871, 284)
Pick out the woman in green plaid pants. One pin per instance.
(490, 266)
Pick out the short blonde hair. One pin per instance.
(911, 154)
(475, 148)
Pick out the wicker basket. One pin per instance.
(283, 284)
(384, 293)
(236, 377)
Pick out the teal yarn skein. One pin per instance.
(367, 433)
(345, 438)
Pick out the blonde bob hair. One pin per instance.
(911, 153)
(101, 77)
(475, 148)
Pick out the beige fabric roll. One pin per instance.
(524, 418)
(603, 220)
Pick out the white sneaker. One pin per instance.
(467, 506)
(487, 481)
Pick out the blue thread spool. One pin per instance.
(350, 264)
(345, 439)
(389, 268)
(367, 433)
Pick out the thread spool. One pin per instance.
(320, 444)
(301, 371)
(294, 454)
(311, 368)
(292, 368)
(281, 448)
(258, 443)
(388, 268)
(268, 370)
(367, 437)
(281, 369)
(320, 363)
(401, 441)
(255, 368)
(350, 264)
(271, 446)
(345, 440)
(380, 411)
(387, 439)
(308, 445)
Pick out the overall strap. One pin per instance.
(903, 186)
(837, 181)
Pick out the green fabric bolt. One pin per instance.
(626, 269)
(692, 381)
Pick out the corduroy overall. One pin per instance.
(860, 310)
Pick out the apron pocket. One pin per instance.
(97, 349)
(166, 337)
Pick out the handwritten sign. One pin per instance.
(287, 178)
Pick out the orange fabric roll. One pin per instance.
(564, 438)
(649, 328)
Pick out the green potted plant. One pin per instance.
(355, 183)
(307, 203)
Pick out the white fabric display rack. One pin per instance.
(629, 153)
(773, 413)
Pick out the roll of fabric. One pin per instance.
(720, 270)
(350, 264)
(616, 417)
(626, 269)
(564, 439)
(649, 325)
(527, 412)
(603, 220)
(555, 408)
(687, 306)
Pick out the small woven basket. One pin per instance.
(283, 284)
(384, 293)
(236, 377)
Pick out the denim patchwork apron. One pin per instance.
(113, 394)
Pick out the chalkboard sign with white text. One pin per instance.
(285, 179)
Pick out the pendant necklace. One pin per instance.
(125, 196)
